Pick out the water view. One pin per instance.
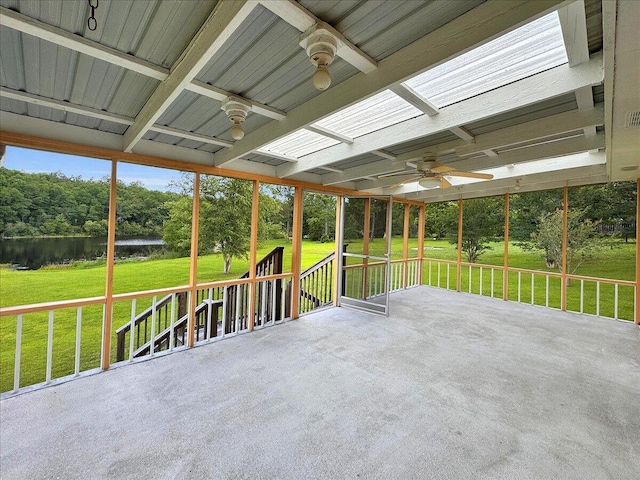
(33, 253)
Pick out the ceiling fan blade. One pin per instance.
(483, 176)
(408, 180)
(444, 183)
(396, 174)
(442, 169)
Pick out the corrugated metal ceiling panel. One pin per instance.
(63, 74)
(357, 161)
(264, 61)
(156, 31)
(254, 157)
(55, 115)
(194, 113)
(180, 142)
(552, 106)
(381, 28)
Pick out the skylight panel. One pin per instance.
(299, 143)
(376, 112)
(526, 51)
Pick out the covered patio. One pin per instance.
(428, 101)
(450, 386)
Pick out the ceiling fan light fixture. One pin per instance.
(431, 182)
(237, 111)
(321, 46)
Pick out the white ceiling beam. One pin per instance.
(226, 17)
(355, 173)
(622, 55)
(551, 83)
(585, 168)
(409, 95)
(414, 98)
(331, 169)
(384, 154)
(329, 133)
(573, 22)
(572, 178)
(30, 26)
(102, 115)
(463, 133)
(300, 18)
(12, 122)
(555, 148)
(522, 171)
(478, 26)
(216, 93)
(534, 130)
(57, 36)
(277, 156)
(534, 152)
(584, 99)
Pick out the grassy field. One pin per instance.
(62, 283)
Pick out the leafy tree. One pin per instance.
(319, 219)
(526, 210)
(271, 220)
(96, 228)
(581, 233)
(441, 220)
(482, 220)
(177, 227)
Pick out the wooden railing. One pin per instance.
(155, 329)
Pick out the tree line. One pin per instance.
(536, 221)
(41, 204)
(53, 204)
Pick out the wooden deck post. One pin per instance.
(405, 246)
(421, 227)
(565, 225)
(338, 249)
(459, 262)
(193, 271)
(253, 254)
(111, 251)
(296, 252)
(365, 245)
(505, 266)
(638, 251)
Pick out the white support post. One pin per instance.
(76, 369)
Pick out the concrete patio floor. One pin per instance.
(451, 386)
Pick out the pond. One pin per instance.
(32, 253)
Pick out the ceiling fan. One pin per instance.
(430, 174)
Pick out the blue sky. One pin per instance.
(32, 161)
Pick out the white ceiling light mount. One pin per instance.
(321, 46)
(236, 109)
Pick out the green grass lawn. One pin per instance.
(63, 283)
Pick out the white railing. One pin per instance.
(24, 364)
(362, 281)
(54, 342)
(588, 295)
